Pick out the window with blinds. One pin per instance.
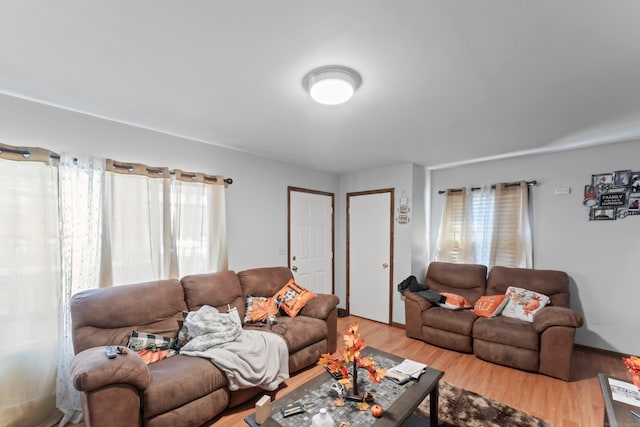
(488, 225)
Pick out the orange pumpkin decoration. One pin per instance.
(376, 411)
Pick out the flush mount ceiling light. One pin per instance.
(332, 84)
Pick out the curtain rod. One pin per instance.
(54, 156)
(508, 184)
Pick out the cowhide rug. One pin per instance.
(458, 407)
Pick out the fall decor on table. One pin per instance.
(633, 365)
(339, 363)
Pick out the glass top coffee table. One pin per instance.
(398, 401)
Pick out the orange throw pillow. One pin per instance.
(490, 306)
(454, 301)
(261, 310)
(293, 297)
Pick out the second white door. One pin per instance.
(370, 263)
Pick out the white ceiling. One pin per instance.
(443, 80)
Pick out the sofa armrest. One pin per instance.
(556, 316)
(320, 306)
(423, 304)
(92, 369)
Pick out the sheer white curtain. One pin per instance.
(137, 246)
(81, 195)
(29, 289)
(199, 223)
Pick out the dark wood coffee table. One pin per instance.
(398, 401)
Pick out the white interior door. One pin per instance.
(311, 239)
(370, 260)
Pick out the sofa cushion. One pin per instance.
(523, 303)
(264, 282)
(490, 306)
(552, 283)
(292, 297)
(467, 280)
(261, 310)
(214, 289)
(458, 321)
(297, 332)
(507, 331)
(454, 301)
(178, 380)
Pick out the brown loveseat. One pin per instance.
(179, 390)
(544, 345)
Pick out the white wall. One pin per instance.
(256, 201)
(409, 243)
(601, 257)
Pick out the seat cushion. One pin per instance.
(297, 332)
(458, 321)
(504, 330)
(178, 380)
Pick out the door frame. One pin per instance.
(391, 238)
(333, 228)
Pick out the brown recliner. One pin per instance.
(544, 345)
(439, 326)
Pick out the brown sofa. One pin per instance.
(179, 390)
(544, 345)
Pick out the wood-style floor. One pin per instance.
(577, 403)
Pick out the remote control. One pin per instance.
(111, 352)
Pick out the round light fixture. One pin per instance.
(331, 84)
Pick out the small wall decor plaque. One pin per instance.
(612, 196)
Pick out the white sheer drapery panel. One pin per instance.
(81, 192)
(199, 227)
(137, 229)
(29, 287)
(455, 239)
(513, 243)
(481, 227)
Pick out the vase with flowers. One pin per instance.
(633, 365)
(350, 358)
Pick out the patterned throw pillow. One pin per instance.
(490, 306)
(144, 343)
(293, 297)
(261, 310)
(523, 304)
(454, 301)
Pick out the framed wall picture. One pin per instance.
(635, 181)
(621, 178)
(633, 204)
(600, 214)
(602, 179)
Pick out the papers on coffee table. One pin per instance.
(624, 392)
(406, 370)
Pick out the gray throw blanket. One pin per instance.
(248, 358)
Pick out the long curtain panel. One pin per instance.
(199, 223)
(137, 227)
(29, 291)
(81, 195)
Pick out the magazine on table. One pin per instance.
(624, 392)
(405, 371)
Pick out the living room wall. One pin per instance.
(256, 201)
(601, 257)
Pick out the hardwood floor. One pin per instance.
(577, 403)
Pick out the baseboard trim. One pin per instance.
(599, 351)
(397, 325)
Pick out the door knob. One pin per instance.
(385, 265)
(294, 268)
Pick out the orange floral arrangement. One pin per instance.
(633, 364)
(353, 343)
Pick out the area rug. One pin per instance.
(458, 407)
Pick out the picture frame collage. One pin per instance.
(613, 195)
